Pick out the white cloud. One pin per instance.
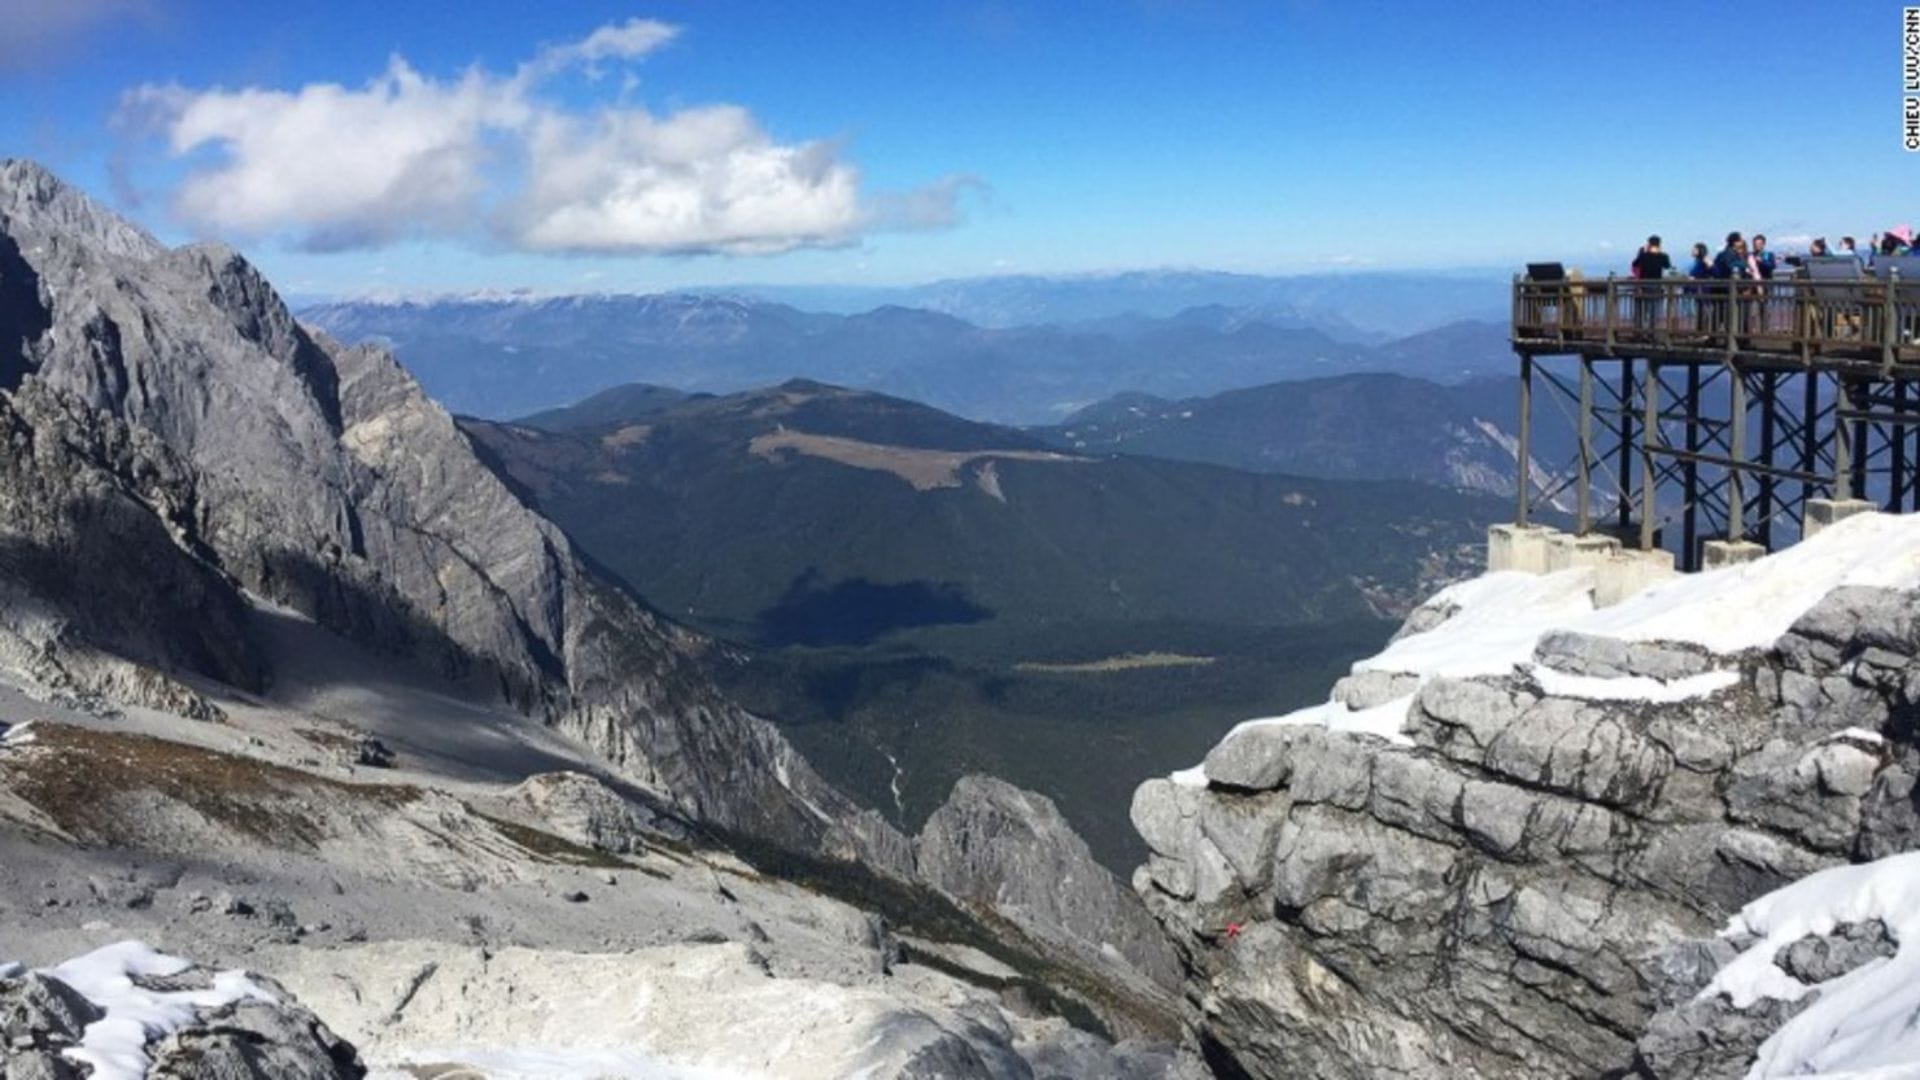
(706, 179)
(485, 156)
(933, 206)
(630, 40)
(342, 167)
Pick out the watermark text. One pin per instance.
(1910, 79)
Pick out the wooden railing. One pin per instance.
(1865, 319)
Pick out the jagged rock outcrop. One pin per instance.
(264, 1035)
(1526, 882)
(585, 811)
(39, 1017)
(162, 407)
(1705, 1036)
(83, 498)
(1010, 851)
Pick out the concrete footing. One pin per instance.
(1566, 551)
(1824, 512)
(1618, 572)
(1518, 547)
(1629, 571)
(1716, 554)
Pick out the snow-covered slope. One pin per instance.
(1495, 624)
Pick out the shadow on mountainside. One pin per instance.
(855, 611)
(115, 580)
(22, 317)
(380, 619)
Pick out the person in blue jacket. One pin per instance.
(1730, 265)
(1701, 270)
(1732, 260)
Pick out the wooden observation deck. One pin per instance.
(1720, 409)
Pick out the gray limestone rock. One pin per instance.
(1532, 886)
(1255, 757)
(1690, 1038)
(1708, 1040)
(1368, 689)
(40, 1016)
(256, 1040)
(1819, 957)
(584, 810)
(1589, 654)
(1163, 813)
(1011, 851)
(1074, 1055)
(272, 1038)
(1427, 616)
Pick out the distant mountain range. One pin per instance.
(1371, 427)
(1352, 306)
(937, 596)
(503, 357)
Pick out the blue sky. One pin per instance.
(890, 143)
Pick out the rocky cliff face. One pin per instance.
(1510, 868)
(1010, 851)
(162, 406)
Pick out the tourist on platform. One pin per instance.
(1848, 249)
(1701, 270)
(1651, 264)
(1818, 250)
(1761, 263)
(1732, 260)
(1730, 265)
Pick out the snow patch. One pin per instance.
(1862, 1021)
(1498, 619)
(1631, 687)
(1750, 606)
(899, 774)
(115, 1046)
(1195, 777)
(1855, 734)
(785, 780)
(1382, 721)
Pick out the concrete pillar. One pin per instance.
(1629, 571)
(1566, 551)
(1716, 554)
(1824, 512)
(1518, 547)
